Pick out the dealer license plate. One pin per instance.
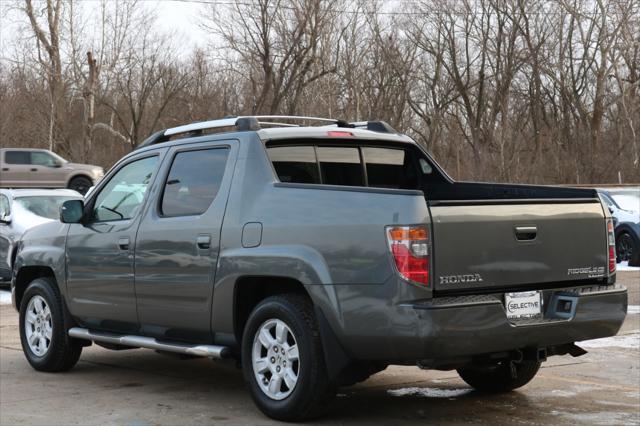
(526, 304)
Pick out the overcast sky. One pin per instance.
(183, 17)
(179, 16)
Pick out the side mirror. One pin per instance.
(72, 211)
(610, 209)
(56, 165)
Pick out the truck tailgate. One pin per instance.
(505, 245)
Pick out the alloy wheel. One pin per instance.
(38, 326)
(625, 247)
(275, 359)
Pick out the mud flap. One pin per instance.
(335, 357)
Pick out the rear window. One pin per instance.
(345, 165)
(340, 166)
(17, 157)
(296, 164)
(387, 168)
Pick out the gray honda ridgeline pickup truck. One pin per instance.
(317, 256)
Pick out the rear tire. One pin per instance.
(43, 334)
(626, 248)
(80, 184)
(304, 392)
(497, 378)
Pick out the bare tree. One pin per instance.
(282, 46)
(145, 84)
(47, 32)
(543, 91)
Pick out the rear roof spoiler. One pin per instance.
(254, 123)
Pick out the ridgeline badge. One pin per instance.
(590, 271)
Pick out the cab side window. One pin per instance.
(123, 195)
(193, 182)
(17, 157)
(42, 159)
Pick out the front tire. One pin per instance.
(80, 184)
(43, 334)
(282, 359)
(499, 377)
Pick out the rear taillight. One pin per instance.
(409, 246)
(611, 245)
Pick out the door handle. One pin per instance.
(203, 241)
(34, 170)
(5, 169)
(526, 233)
(123, 243)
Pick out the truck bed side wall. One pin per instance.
(467, 191)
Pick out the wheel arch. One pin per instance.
(25, 275)
(249, 291)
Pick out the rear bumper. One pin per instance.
(453, 328)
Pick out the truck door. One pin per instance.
(46, 172)
(100, 279)
(16, 169)
(178, 242)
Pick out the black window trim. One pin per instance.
(89, 207)
(315, 152)
(167, 171)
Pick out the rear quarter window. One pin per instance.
(378, 167)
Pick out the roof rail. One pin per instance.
(255, 122)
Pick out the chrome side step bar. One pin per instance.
(210, 351)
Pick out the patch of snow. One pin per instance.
(617, 404)
(5, 297)
(604, 418)
(429, 392)
(633, 309)
(624, 266)
(626, 341)
(563, 393)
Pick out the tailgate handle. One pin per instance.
(526, 233)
